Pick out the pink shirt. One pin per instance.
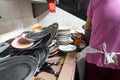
(105, 15)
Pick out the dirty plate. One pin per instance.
(67, 48)
(16, 44)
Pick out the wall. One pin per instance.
(16, 16)
(63, 18)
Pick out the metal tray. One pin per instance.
(18, 68)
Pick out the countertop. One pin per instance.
(67, 65)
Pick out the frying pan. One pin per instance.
(18, 68)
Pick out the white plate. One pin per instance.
(53, 43)
(67, 48)
(54, 52)
(16, 44)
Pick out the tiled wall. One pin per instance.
(16, 16)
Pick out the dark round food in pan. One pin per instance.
(24, 41)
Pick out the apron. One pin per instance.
(108, 60)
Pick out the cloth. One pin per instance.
(96, 57)
(102, 58)
(81, 68)
(52, 6)
(105, 15)
(100, 73)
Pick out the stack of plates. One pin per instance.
(63, 35)
(53, 47)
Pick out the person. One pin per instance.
(101, 59)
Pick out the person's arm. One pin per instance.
(88, 24)
(88, 30)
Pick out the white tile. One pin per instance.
(14, 9)
(4, 13)
(17, 25)
(5, 26)
(27, 22)
(26, 8)
(2, 2)
(35, 23)
(34, 20)
(51, 18)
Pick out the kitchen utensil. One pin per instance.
(81, 46)
(4, 46)
(17, 44)
(52, 43)
(53, 30)
(35, 35)
(41, 54)
(67, 48)
(18, 68)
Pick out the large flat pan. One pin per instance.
(40, 54)
(53, 30)
(43, 56)
(18, 68)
